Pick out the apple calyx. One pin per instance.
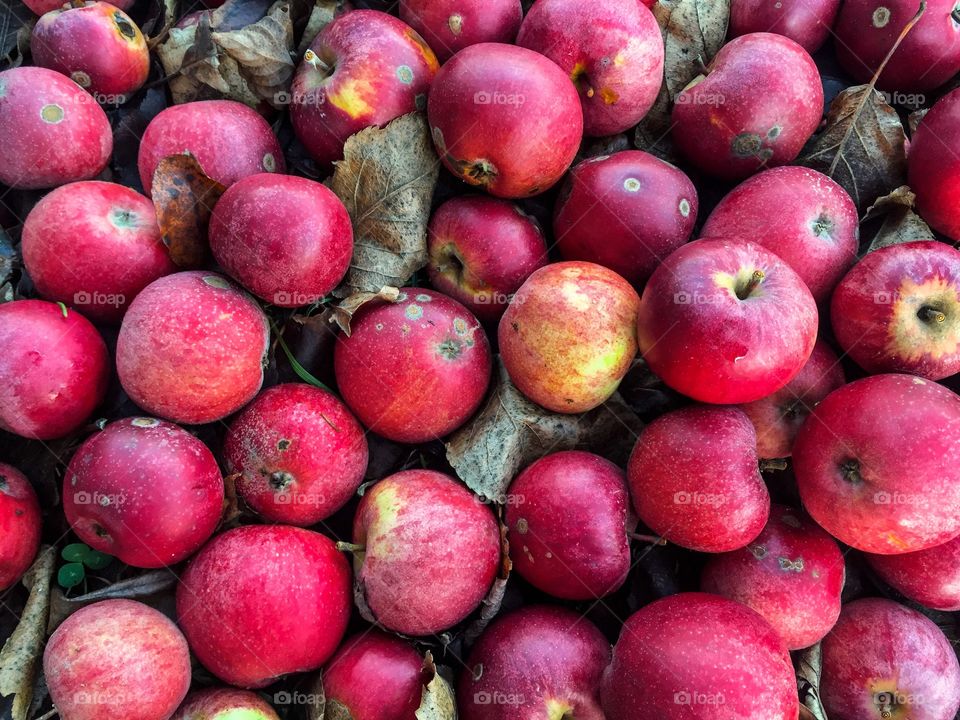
(823, 226)
(280, 480)
(478, 172)
(850, 470)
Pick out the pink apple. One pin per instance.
(807, 23)
(20, 525)
(41, 7)
(726, 321)
(224, 704)
(930, 577)
(451, 25)
(934, 167)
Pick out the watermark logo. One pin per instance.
(684, 497)
(694, 298)
(685, 697)
(497, 698)
(895, 498)
(297, 698)
(98, 298)
(501, 499)
(483, 97)
(295, 299)
(298, 498)
(82, 497)
(700, 98)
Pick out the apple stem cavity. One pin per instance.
(745, 290)
(850, 469)
(931, 315)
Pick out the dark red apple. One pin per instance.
(505, 118)
(42, 7)
(930, 577)
(726, 321)
(807, 23)
(20, 525)
(878, 464)
(261, 601)
(224, 704)
(694, 479)
(625, 211)
(54, 369)
(934, 165)
(451, 25)
(481, 251)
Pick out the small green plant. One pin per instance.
(80, 558)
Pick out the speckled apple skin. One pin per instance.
(53, 371)
(807, 23)
(261, 601)
(42, 7)
(55, 132)
(881, 650)
(695, 655)
(117, 658)
(432, 551)
(224, 704)
(547, 660)
(448, 26)
(759, 104)
(934, 168)
(414, 370)
(145, 491)
(191, 348)
(877, 464)
(930, 577)
(20, 525)
(94, 245)
(300, 454)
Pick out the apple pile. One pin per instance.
(585, 421)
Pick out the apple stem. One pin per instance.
(48, 715)
(652, 539)
(751, 285)
(350, 547)
(773, 464)
(929, 314)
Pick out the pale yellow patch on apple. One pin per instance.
(574, 297)
(912, 337)
(558, 709)
(739, 283)
(350, 97)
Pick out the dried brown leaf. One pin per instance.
(262, 52)
(322, 14)
(914, 118)
(437, 700)
(343, 313)
(149, 584)
(809, 664)
(900, 223)
(490, 606)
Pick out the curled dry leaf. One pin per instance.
(322, 14)
(143, 586)
(808, 666)
(16, 25)
(914, 118)
(386, 182)
(490, 607)
(343, 313)
(230, 518)
(316, 708)
(8, 257)
(437, 700)
(900, 223)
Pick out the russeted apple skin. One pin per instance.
(20, 525)
(930, 577)
(933, 168)
(223, 703)
(877, 464)
(807, 23)
(448, 26)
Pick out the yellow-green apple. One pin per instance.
(930, 577)
(934, 166)
(451, 25)
(569, 335)
(222, 703)
(20, 525)
(807, 23)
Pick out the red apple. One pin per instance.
(62, 40)
(760, 101)
(934, 166)
(299, 452)
(626, 211)
(117, 659)
(414, 370)
(930, 577)
(777, 417)
(792, 573)
(537, 662)
(694, 479)
(567, 514)
(224, 704)
(612, 50)
(374, 676)
(801, 215)
(20, 525)
(145, 491)
(928, 56)
(807, 23)
(451, 25)
(42, 7)
(429, 551)
(54, 369)
(569, 335)
(695, 655)
(227, 138)
(191, 348)
(878, 464)
(56, 133)
(481, 251)
(287, 239)
(94, 245)
(898, 310)
(505, 118)
(884, 660)
(364, 68)
(726, 321)
(261, 601)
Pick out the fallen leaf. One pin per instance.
(437, 699)
(808, 665)
(16, 25)
(900, 223)
(914, 118)
(490, 606)
(8, 256)
(343, 313)
(262, 52)
(322, 14)
(386, 181)
(318, 700)
(139, 587)
(230, 517)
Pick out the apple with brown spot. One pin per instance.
(448, 26)
(20, 525)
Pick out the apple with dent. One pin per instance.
(726, 321)
(933, 165)
(94, 245)
(612, 51)
(536, 663)
(505, 119)
(792, 573)
(696, 655)
(759, 102)
(884, 660)
(20, 525)
(569, 335)
(449, 26)
(898, 310)
(568, 519)
(481, 250)
(374, 676)
(62, 40)
(928, 56)
(54, 369)
(191, 348)
(365, 68)
(625, 211)
(778, 417)
(299, 452)
(56, 132)
(694, 479)
(930, 577)
(145, 491)
(227, 138)
(807, 23)
(798, 213)
(261, 601)
(117, 658)
(224, 704)
(414, 370)
(427, 551)
(877, 464)
(287, 239)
